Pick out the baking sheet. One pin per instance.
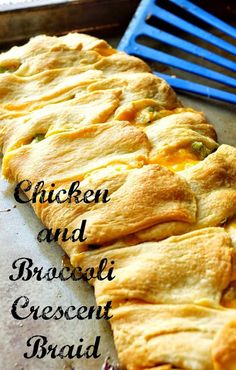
(19, 228)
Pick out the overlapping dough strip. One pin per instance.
(214, 184)
(109, 123)
(183, 335)
(91, 108)
(192, 268)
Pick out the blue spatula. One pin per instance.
(140, 26)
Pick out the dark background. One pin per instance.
(103, 18)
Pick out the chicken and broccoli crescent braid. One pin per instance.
(75, 110)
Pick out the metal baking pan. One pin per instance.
(24, 19)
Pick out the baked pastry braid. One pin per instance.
(63, 80)
(74, 109)
(168, 309)
(199, 267)
(49, 52)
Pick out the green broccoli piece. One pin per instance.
(8, 69)
(38, 138)
(3, 69)
(201, 149)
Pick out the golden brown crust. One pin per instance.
(19, 93)
(197, 270)
(154, 194)
(69, 156)
(158, 300)
(147, 335)
(45, 52)
(137, 86)
(67, 116)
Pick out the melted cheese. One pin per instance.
(105, 51)
(143, 113)
(178, 160)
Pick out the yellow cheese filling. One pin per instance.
(105, 51)
(178, 160)
(144, 112)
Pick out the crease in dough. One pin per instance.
(66, 116)
(28, 93)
